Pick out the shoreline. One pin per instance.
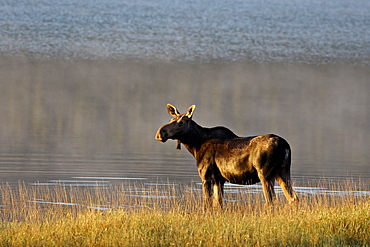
(60, 216)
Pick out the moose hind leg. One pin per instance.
(285, 183)
(268, 190)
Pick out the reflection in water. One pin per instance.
(69, 119)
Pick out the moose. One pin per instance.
(221, 156)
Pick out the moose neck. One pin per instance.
(197, 135)
(194, 138)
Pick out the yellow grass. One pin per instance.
(172, 215)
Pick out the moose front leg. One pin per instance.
(213, 194)
(218, 194)
(207, 194)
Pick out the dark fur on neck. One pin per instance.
(200, 135)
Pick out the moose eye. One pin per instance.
(181, 123)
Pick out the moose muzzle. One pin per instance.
(161, 135)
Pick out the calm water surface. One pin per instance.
(84, 85)
(63, 120)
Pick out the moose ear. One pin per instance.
(172, 110)
(190, 112)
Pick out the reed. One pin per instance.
(165, 215)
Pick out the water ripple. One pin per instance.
(259, 31)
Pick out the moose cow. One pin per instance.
(223, 156)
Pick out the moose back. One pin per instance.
(223, 156)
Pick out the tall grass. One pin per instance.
(138, 215)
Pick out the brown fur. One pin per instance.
(223, 156)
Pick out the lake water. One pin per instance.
(66, 120)
(313, 31)
(84, 85)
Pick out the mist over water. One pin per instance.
(63, 119)
(84, 84)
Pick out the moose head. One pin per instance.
(178, 127)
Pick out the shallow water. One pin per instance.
(136, 195)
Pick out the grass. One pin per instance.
(139, 215)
